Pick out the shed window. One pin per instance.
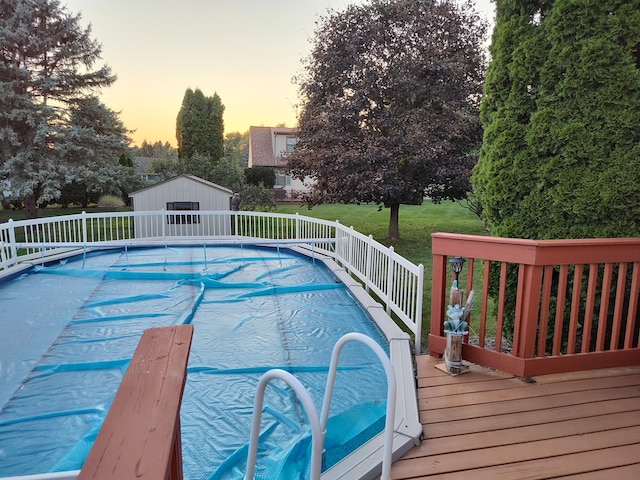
(183, 219)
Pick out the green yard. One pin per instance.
(417, 223)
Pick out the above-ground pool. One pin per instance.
(69, 329)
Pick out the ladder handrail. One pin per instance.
(319, 424)
(312, 414)
(391, 393)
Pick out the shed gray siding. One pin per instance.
(185, 188)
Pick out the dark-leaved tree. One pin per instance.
(265, 176)
(390, 97)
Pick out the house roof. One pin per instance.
(261, 147)
(143, 164)
(190, 177)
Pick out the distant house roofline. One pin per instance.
(262, 144)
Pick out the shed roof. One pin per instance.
(190, 177)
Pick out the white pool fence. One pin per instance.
(396, 282)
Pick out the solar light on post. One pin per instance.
(455, 296)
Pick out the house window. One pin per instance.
(291, 143)
(282, 180)
(183, 218)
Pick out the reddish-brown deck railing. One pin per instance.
(575, 308)
(140, 437)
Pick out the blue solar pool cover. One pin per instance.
(70, 328)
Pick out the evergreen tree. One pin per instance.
(390, 98)
(561, 115)
(216, 111)
(236, 148)
(46, 67)
(200, 132)
(165, 168)
(97, 157)
(228, 173)
(155, 150)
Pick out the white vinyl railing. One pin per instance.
(317, 422)
(395, 281)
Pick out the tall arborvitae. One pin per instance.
(200, 132)
(561, 116)
(216, 111)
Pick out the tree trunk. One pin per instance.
(394, 230)
(30, 206)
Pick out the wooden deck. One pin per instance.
(489, 425)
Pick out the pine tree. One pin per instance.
(46, 67)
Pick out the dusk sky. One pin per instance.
(247, 51)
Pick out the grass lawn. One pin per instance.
(417, 223)
(50, 212)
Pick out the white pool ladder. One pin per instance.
(319, 425)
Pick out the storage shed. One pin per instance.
(182, 193)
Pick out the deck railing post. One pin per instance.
(438, 294)
(389, 288)
(145, 446)
(418, 310)
(85, 236)
(527, 310)
(350, 249)
(12, 242)
(368, 262)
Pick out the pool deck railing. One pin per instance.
(396, 282)
(573, 303)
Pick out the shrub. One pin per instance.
(110, 201)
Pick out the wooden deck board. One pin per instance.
(487, 424)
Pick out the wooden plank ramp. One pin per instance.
(490, 425)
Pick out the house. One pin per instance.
(144, 171)
(184, 193)
(268, 147)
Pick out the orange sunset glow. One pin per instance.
(248, 51)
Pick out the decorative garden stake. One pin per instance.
(455, 329)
